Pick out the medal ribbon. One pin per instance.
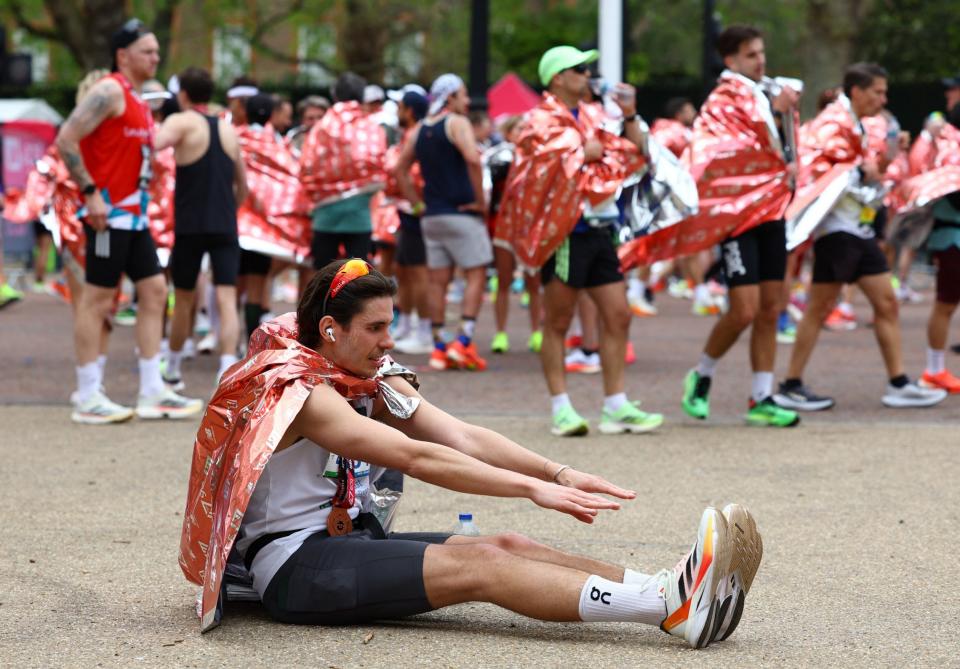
(346, 485)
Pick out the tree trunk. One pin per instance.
(833, 27)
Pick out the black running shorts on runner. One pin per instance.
(584, 260)
(131, 252)
(841, 257)
(411, 250)
(325, 246)
(187, 257)
(759, 254)
(356, 578)
(254, 264)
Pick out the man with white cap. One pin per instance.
(242, 89)
(453, 227)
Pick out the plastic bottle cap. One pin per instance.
(466, 516)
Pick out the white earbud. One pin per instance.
(329, 332)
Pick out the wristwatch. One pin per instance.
(89, 190)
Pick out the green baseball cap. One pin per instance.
(560, 58)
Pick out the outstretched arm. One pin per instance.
(431, 423)
(327, 419)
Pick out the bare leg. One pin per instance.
(886, 325)
(938, 325)
(611, 301)
(532, 283)
(559, 301)
(820, 302)
(473, 294)
(44, 242)
(180, 325)
(505, 264)
(744, 305)
(152, 296)
(229, 322)
(589, 323)
(92, 309)
(439, 279)
(763, 336)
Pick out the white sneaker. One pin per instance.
(208, 344)
(912, 395)
(168, 404)
(689, 590)
(174, 384)
(579, 362)
(189, 351)
(641, 306)
(414, 345)
(201, 325)
(99, 410)
(744, 562)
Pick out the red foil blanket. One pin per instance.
(673, 135)
(249, 413)
(740, 173)
(274, 219)
(343, 155)
(549, 183)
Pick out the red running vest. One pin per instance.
(114, 155)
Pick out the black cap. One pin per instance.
(951, 82)
(259, 107)
(128, 33)
(417, 103)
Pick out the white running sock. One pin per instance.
(559, 402)
(89, 378)
(936, 362)
(612, 403)
(707, 365)
(423, 328)
(101, 363)
(634, 287)
(173, 363)
(606, 601)
(226, 360)
(467, 327)
(632, 577)
(762, 386)
(151, 382)
(403, 323)
(701, 294)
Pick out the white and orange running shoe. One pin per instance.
(689, 590)
(942, 379)
(747, 553)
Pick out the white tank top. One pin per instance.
(295, 492)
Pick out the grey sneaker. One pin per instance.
(168, 404)
(912, 396)
(99, 410)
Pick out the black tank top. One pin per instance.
(204, 202)
(446, 181)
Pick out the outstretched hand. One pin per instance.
(581, 505)
(592, 483)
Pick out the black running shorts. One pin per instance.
(130, 252)
(584, 260)
(841, 257)
(252, 263)
(411, 251)
(357, 578)
(759, 254)
(188, 253)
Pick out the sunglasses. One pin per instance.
(579, 69)
(350, 270)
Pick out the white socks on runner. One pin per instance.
(89, 378)
(936, 362)
(701, 294)
(613, 403)
(707, 365)
(632, 577)
(559, 402)
(102, 364)
(225, 361)
(607, 601)
(151, 383)
(173, 363)
(762, 386)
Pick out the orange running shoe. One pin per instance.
(943, 379)
(573, 341)
(631, 355)
(466, 357)
(440, 361)
(838, 321)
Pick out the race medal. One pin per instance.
(867, 215)
(338, 522)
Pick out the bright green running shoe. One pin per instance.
(568, 423)
(766, 412)
(629, 419)
(500, 343)
(696, 395)
(536, 341)
(9, 295)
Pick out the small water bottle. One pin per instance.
(466, 527)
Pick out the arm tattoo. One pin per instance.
(90, 113)
(76, 167)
